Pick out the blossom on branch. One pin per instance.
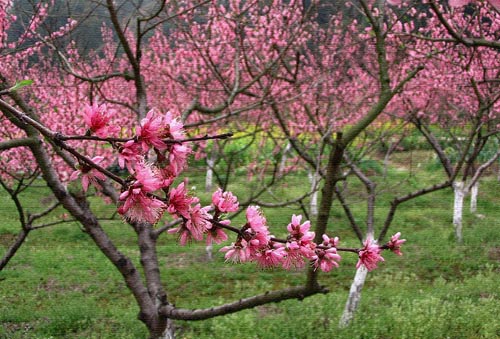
(237, 252)
(225, 202)
(129, 154)
(138, 202)
(89, 174)
(325, 260)
(369, 255)
(151, 132)
(395, 243)
(97, 120)
(216, 234)
(179, 202)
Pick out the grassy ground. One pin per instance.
(60, 286)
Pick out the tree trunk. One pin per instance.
(169, 331)
(284, 158)
(313, 179)
(473, 197)
(460, 191)
(209, 249)
(354, 296)
(209, 178)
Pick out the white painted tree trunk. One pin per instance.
(313, 205)
(354, 296)
(473, 197)
(169, 331)
(284, 158)
(209, 249)
(209, 177)
(460, 191)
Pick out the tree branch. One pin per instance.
(300, 293)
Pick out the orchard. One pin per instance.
(115, 127)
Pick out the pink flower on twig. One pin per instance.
(395, 243)
(325, 260)
(89, 174)
(151, 131)
(225, 202)
(139, 204)
(97, 120)
(179, 202)
(237, 252)
(369, 255)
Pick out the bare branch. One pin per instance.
(300, 293)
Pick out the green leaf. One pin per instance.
(20, 84)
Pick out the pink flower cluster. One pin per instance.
(97, 120)
(156, 155)
(369, 255)
(255, 243)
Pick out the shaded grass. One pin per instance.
(61, 286)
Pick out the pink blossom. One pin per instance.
(184, 234)
(256, 220)
(395, 243)
(294, 257)
(151, 131)
(178, 154)
(89, 174)
(237, 252)
(272, 256)
(140, 207)
(97, 121)
(216, 234)
(300, 231)
(326, 259)
(369, 255)
(225, 202)
(138, 204)
(129, 155)
(198, 222)
(330, 242)
(456, 3)
(179, 201)
(300, 243)
(175, 127)
(255, 231)
(495, 3)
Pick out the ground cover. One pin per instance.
(60, 286)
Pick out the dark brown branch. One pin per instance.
(12, 250)
(300, 293)
(468, 42)
(399, 200)
(7, 144)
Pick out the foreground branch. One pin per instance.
(299, 293)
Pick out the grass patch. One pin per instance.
(60, 286)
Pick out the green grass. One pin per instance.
(60, 286)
